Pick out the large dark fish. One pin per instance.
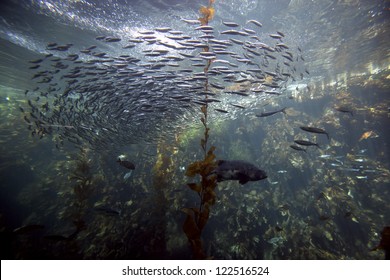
(315, 130)
(127, 164)
(238, 170)
(384, 243)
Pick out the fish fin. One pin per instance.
(243, 180)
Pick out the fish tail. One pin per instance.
(283, 110)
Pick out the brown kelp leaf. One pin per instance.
(193, 169)
(204, 216)
(209, 196)
(195, 187)
(190, 228)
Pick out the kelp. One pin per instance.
(82, 189)
(196, 218)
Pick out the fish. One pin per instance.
(384, 243)
(344, 110)
(28, 229)
(127, 164)
(315, 130)
(306, 143)
(127, 175)
(230, 24)
(368, 134)
(255, 22)
(107, 211)
(297, 148)
(266, 114)
(221, 110)
(238, 170)
(144, 94)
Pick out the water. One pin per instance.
(326, 203)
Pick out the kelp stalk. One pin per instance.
(197, 217)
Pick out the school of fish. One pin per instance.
(158, 82)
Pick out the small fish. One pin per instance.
(111, 39)
(238, 106)
(324, 156)
(344, 110)
(28, 229)
(315, 130)
(128, 175)
(255, 22)
(190, 21)
(107, 211)
(230, 24)
(36, 61)
(297, 148)
(127, 164)
(266, 114)
(221, 111)
(361, 177)
(306, 143)
(368, 134)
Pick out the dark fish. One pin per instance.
(56, 238)
(28, 229)
(238, 106)
(297, 148)
(315, 130)
(36, 60)
(384, 244)
(344, 110)
(112, 39)
(107, 211)
(306, 143)
(238, 170)
(278, 228)
(324, 217)
(127, 164)
(221, 111)
(266, 114)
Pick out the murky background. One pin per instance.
(64, 195)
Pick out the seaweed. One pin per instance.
(83, 189)
(197, 218)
